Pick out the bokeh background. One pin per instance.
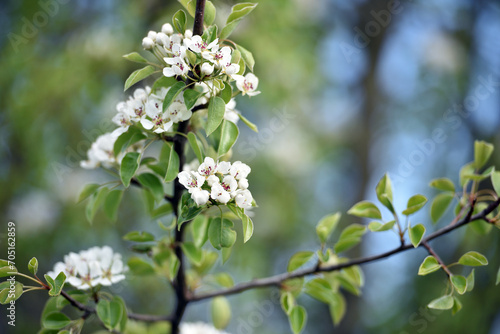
(351, 89)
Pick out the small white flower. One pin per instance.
(230, 114)
(148, 43)
(152, 35)
(243, 184)
(178, 67)
(223, 167)
(167, 29)
(199, 328)
(200, 196)
(220, 194)
(240, 170)
(177, 112)
(101, 151)
(188, 33)
(191, 180)
(158, 122)
(229, 183)
(208, 167)
(212, 179)
(207, 69)
(247, 84)
(243, 199)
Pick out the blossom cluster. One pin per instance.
(174, 50)
(221, 182)
(90, 268)
(101, 151)
(199, 328)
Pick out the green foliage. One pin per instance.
(415, 203)
(443, 184)
(238, 12)
(297, 318)
(112, 203)
(384, 192)
(429, 265)
(380, 227)
(135, 57)
(228, 137)
(179, 21)
(110, 312)
(482, 153)
(138, 75)
(221, 312)
(139, 236)
(221, 233)
(459, 283)
(33, 266)
(365, 209)
(440, 204)
(442, 303)
(56, 320)
(56, 284)
(298, 260)
(473, 259)
(129, 166)
(8, 294)
(216, 110)
(416, 234)
(172, 94)
(350, 237)
(140, 267)
(246, 56)
(326, 226)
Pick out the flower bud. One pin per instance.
(207, 69)
(152, 35)
(147, 43)
(161, 38)
(188, 33)
(167, 29)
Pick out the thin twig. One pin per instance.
(438, 259)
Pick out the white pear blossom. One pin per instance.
(199, 328)
(247, 84)
(178, 112)
(208, 167)
(239, 170)
(101, 152)
(191, 180)
(167, 29)
(207, 69)
(90, 268)
(198, 45)
(178, 67)
(219, 194)
(230, 114)
(148, 43)
(200, 196)
(243, 199)
(158, 123)
(223, 167)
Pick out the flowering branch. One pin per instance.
(278, 279)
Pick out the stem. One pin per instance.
(438, 259)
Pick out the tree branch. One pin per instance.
(278, 279)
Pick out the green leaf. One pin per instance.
(179, 21)
(482, 153)
(190, 6)
(416, 234)
(140, 267)
(88, 190)
(470, 281)
(298, 319)
(326, 226)
(498, 277)
(429, 265)
(195, 146)
(443, 184)
(227, 93)
(173, 166)
(320, 289)
(221, 312)
(350, 237)
(247, 227)
(139, 236)
(216, 110)
(210, 13)
(495, 180)
(460, 283)
(224, 280)
(191, 96)
(110, 312)
(379, 227)
(189, 210)
(415, 203)
(56, 284)
(238, 12)
(473, 259)
(129, 137)
(440, 204)
(138, 75)
(193, 253)
(135, 57)
(33, 266)
(221, 234)
(457, 306)
(7, 268)
(95, 203)
(56, 320)
(252, 126)
(466, 171)
(247, 57)
(287, 302)
(365, 209)
(298, 260)
(129, 166)
(112, 203)
(384, 192)
(153, 184)
(337, 308)
(442, 303)
(172, 94)
(226, 253)
(199, 230)
(229, 135)
(7, 295)
(164, 82)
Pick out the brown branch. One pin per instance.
(278, 279)
(436, 256)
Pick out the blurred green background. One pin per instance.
(350, 90)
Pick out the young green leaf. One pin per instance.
(470, 281)
(95, 203)
(298, 260)
(8, 295)
(443, 184)
(337, 308)
(135, 57)
(350, 237)
(221, 312)
(224, 279)
(164, 82)
(429, 265)
(229, 135)
(129, 137)
(473, 259)
(442, 303)
(210, 13)
(56, 320)
(140, 267)
(216, 110)
(129, 166)
(33, 266)
(199, 230)
(238, 12)
(320, 289)
(190, 6)
(112, 203)
(195, 146)
(298, 319)
(137, 236)
(110, 312)
(247, 227)
(495, 180)
(221, 233)
(152, 183)
(384, 192)
(87, 191)
(138, 75)
(416, 234)
(460, 283)
(246, 56)
(365, 209)
(252, 126)
(191, 96)
(173, 166)
(172, 94)
(326, 226)
(379, 227)
(179, 21)
(227, 93)
(465, 172)
(415, 203)
(56, 284)
(457, 306)
(482, 153)
(440, 204)
(193, 253)
(287, 302)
